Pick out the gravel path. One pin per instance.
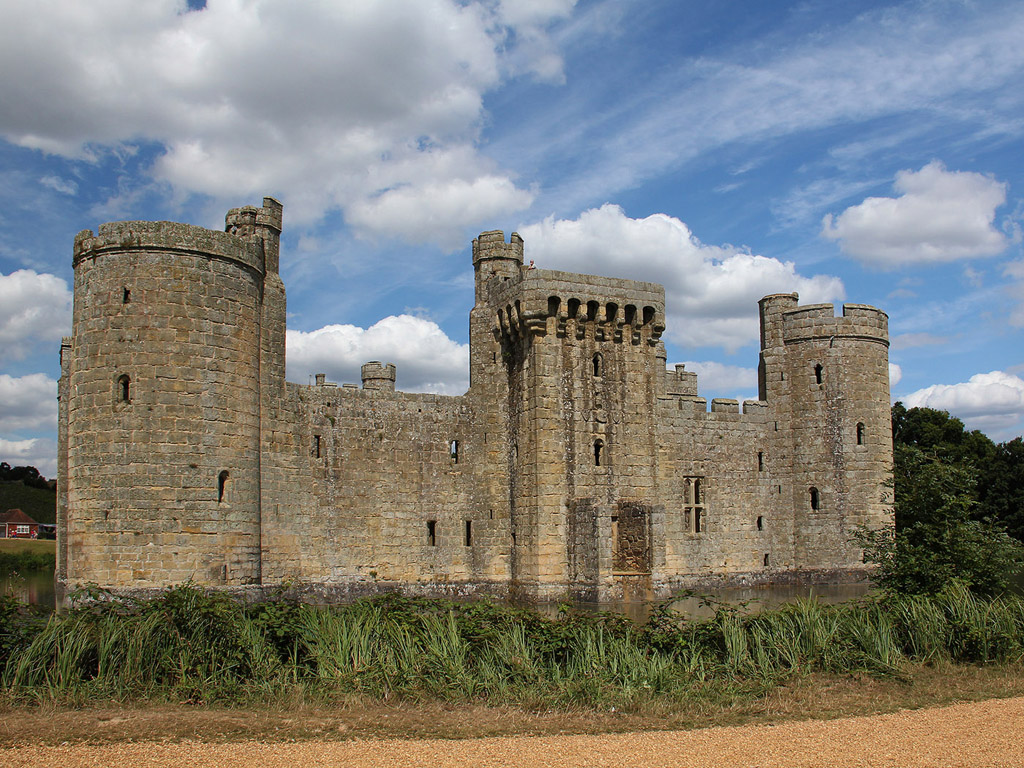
(988, 734)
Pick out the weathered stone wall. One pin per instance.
(575, 465)
(163, 434)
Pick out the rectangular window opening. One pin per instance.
(431, 533)
(469, 533)
(316, 446)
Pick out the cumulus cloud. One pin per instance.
(35, 452)
(34, 309)
(992, 402)
(714, 378)
(27, 402)
(711, 291)
(355, 105)
(939, 216)
(427, 360)
(895, 374)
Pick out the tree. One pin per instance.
(938, 536)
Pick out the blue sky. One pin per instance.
(858, 151)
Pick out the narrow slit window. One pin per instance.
(453, 451)
(469, 533)
(126, 296)
(760, 461)
(860, 433)
(815, 499)
(431, 533)
(697, 520)
(760, 523)
(597, 364)
(817, 373)
(598, 451)
(222, 485)
(767, 560)
(124, 389)
(316, 446)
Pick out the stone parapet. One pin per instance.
(146, 236)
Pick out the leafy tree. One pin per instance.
(939, 537)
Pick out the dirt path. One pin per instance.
(989, 734)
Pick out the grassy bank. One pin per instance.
(22, 555)
(192, 646)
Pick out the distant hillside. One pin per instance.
(38, 503)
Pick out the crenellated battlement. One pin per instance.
(120, 237)
(492, 245)
(818, 321)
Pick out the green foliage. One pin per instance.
(938, 538)
(997, 468)
(38, 503)
(23, 562)
(196, 646)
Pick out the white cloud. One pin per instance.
(27, 403)
(36, 452)
(939, 216)
(714, 378)
(427, 360)
(326, 105)
(895, 374)
(992, 402)
(416, 213)
(711, 291)
(34, 309)
(58, 184)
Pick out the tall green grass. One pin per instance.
(192, 645)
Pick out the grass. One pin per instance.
(199, 647)
(21, 555)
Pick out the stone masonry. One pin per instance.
(576, 465)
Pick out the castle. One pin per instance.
(576, 465)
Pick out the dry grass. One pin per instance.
(807, 697)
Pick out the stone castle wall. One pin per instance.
(576, 464)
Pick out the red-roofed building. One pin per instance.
(15, 524)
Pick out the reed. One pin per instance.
(192, 645)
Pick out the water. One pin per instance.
(33, 587)
(702, 605)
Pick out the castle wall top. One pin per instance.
(271, 215)
(127, 236)
(492, 245)
(818, 321)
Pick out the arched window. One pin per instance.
(817, 373)
(860, 433)
(598, 450)
(815, 499)
(597, 364)
(222, 485)
(124, 389)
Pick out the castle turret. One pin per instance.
(163, 387)
(826, 381)
(377, 375)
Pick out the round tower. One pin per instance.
(163, 447)
(837, 394)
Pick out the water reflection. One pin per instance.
(37, 588)
(702, 604)
(32, 587)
